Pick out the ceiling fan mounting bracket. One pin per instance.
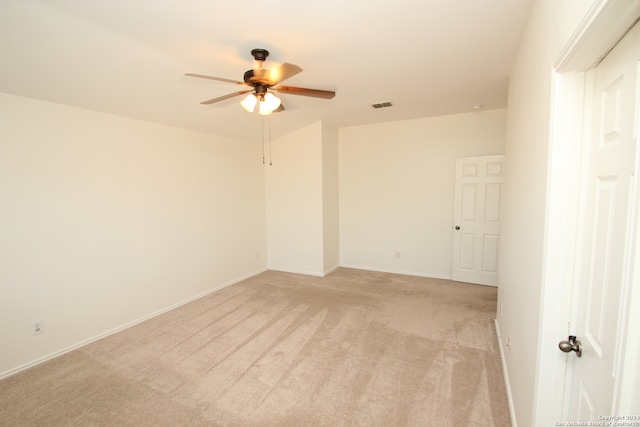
(260, 54)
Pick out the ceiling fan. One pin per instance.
(261, 81)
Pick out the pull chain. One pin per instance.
(270, 157)
(264, 142)
(262, 121)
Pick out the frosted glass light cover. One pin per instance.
(249, 102)
(270, 103)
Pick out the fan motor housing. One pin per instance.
(257, 77)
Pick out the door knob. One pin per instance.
(571, 345)
(457, 227)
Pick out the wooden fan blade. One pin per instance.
(222, 98)
(219, 79)
(280, 108)
(282, 73)
(315, 93)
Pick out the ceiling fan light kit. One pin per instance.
(261, 80)
(268, 103)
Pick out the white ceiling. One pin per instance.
(128, 57)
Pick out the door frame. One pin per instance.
(604, 25)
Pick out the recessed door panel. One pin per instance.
(492, 203)
(470, 170)
(586, 406)
(469, 202)
(611, 99)
(494, 169)
(467, 251)
(603, 231)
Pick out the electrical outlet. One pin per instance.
(397, 255)
(37, 328)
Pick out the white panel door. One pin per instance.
(476, 234)
(605, 245)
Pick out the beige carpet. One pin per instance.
(355, 348)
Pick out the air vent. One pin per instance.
(382, 105)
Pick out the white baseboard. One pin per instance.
(506, 375)
(305, 272)
(123, 327)
(294, 271)
(392, 271)
(332, 269)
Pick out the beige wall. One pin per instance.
(330, 197)
(295, 202)
(397, 187)
(302, 201)
(107, 220)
